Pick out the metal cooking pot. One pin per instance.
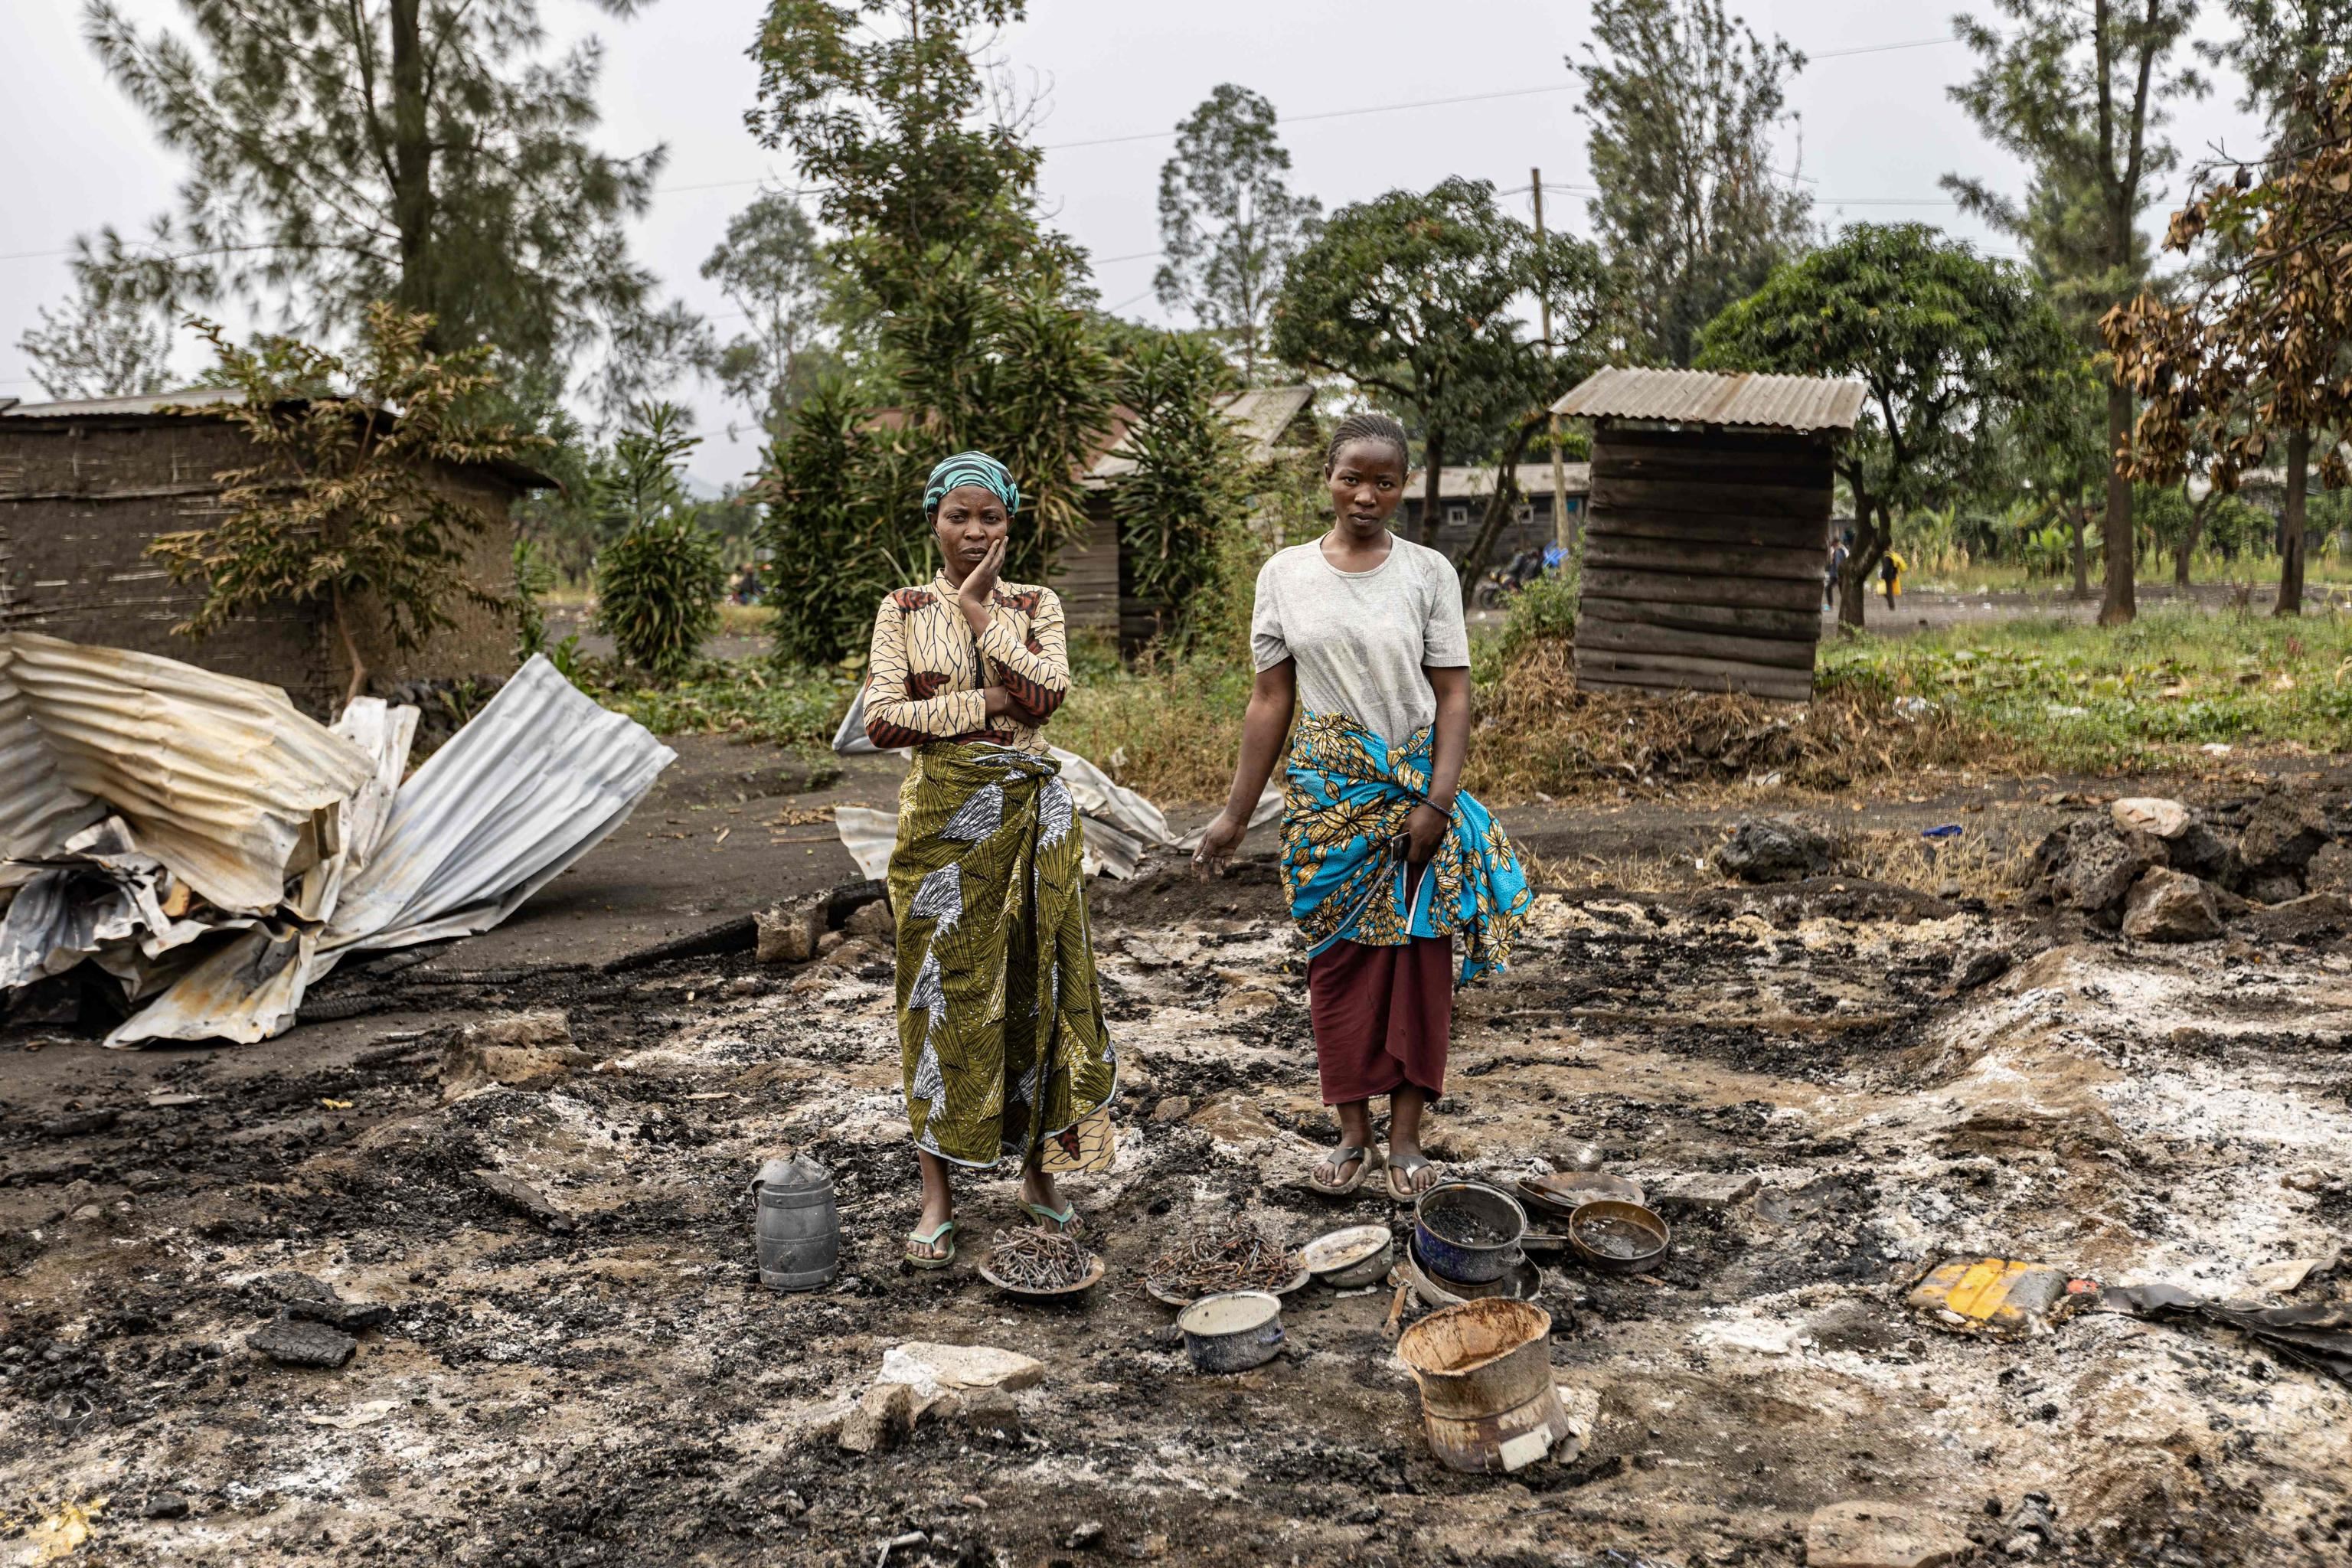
(1469, 1231)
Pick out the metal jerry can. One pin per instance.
(800, 1232)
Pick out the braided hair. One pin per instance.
(1367, 427)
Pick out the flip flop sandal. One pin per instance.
(1363, 1156)
(1067, 1222)
(946, 1228)
(1410, 1168)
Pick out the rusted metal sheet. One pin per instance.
(1798, 402)
(219, 778)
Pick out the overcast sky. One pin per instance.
(1874, 132)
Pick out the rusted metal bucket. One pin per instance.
(1487, 1393)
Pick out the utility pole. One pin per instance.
(1558, 469)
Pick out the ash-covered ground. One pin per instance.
(604, 1380)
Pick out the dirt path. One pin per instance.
(624, 1392)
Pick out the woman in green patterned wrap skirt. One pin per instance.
(999, 1023)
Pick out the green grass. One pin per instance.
(2085, 699)
(799, 707)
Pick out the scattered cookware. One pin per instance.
(1524, 1282)
(1618, 1238)
(1232, 1331)
(1558, 1196)
(1469, 1231)
(1359, 1254)
(1487, 1399)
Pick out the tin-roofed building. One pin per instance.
(1706, 534)
(1462, 496)
(85, 487)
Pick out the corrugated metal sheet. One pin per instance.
(146, 402)
(223, 780)
(1262, 413)
(1477, 483)
(1796, 403)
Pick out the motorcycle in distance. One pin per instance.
(1501, 582)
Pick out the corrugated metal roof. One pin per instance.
(145, 403)
(1705, 398)
(1477, 483)
(1262, 413)
(192, 401)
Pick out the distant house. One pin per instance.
(1462, 497)
(85, 487)
(1096, 589)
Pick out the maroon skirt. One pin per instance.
(1382, 1016)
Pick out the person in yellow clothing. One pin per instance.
(1891, 567)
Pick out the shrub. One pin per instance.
(658, 584)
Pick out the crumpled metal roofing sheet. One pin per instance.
(223, 780)
(1796, 402)
(533, 782)
(39, 810)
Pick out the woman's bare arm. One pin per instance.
(1264, 726)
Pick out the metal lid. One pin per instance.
(794, 1174)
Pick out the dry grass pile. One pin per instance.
(1538, 734)
(1971, 867)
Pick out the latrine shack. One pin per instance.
(86, 486)
(1707, 531)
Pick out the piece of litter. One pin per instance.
(1948, 830)
(2282, 1277)
(1997, 1296)
(336, 1104)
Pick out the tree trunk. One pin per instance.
(1432, 461)
(2189, 538)
(1472, 564)
(1861, 561)
(2291, 529)
(411, 159)
(2074, 515)
(358, 687)
(2122, 605)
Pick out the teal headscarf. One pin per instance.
(971, 468)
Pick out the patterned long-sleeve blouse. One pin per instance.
(925, 673)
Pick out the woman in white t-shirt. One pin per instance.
(1359, 635)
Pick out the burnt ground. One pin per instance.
(624, 1391)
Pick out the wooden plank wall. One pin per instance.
(1704, 551)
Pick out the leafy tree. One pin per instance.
(105, 344)
(414, 151)
(2077, 88)
(1188, 483)
(772, 268)
(1410, 297)
(659, 583)
(345, 503)
(1683, 97)
(2279, 47)
(883, 104)
(2259, 345)
(1945, 343)
(1229, 224)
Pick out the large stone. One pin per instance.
(1232, 1118)
(1774, 849)
(934, 1371)
(2166, 905)
(538, 1026)
(521, 1050)
(2150, 815)
(788, 934)
(1861, 1534)
(2202, 852)
(2089, 866)
(290, 1341)
(2311, 917)
(2284, 830)
(871, 920)
(882, 1418)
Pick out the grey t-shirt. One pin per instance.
(1360, 639)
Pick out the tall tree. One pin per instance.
(2259, 345)
(2076, 90)
(886, 107)
(418, 151)
(105, 343)
(772, 270)
(1229, 224)
(1409, 296)
(1946, 344)
(1684, 99)
(2280, 48)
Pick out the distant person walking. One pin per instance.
(1840, 552)
(1891, 568)
(1001, 1033)
(1359, 635)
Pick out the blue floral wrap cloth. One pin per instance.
(1346, 796)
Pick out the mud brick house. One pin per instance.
(1707, 531)
(85, 486)
(1097, 591)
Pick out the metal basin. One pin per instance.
(1469, 1231)
(1618, 1238)
(1232, 1331)
(1524, 1283)
(1487, 1395)
(1359, 1254)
